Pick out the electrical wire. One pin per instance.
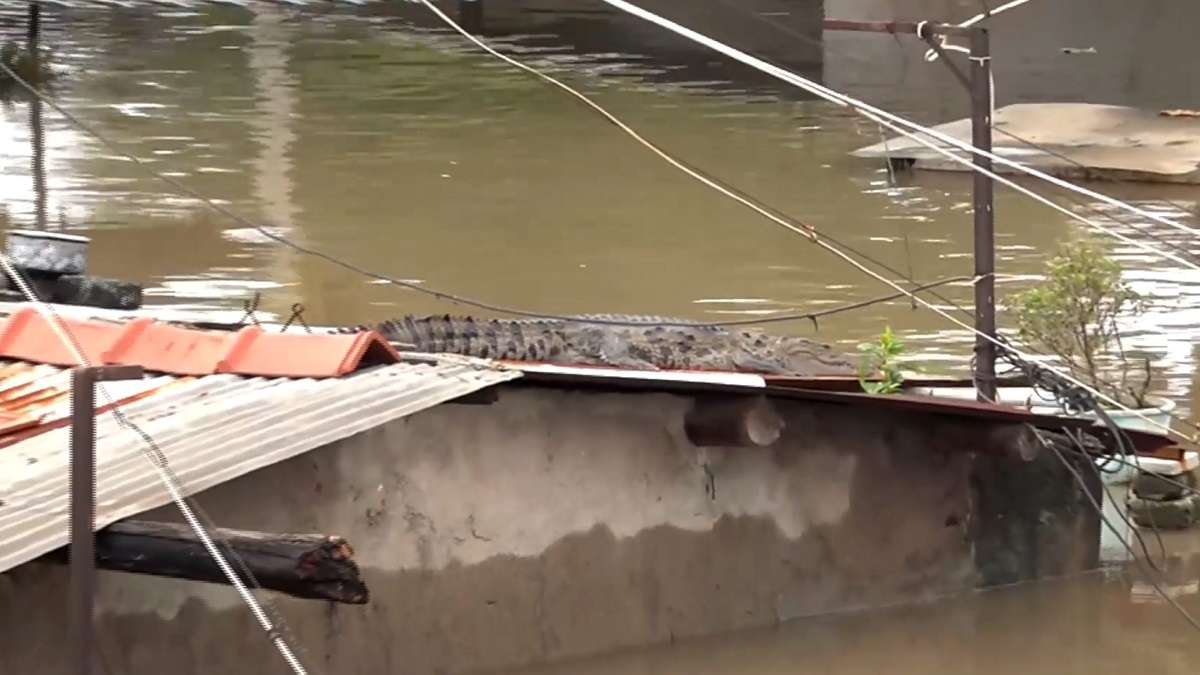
(1075, 199)
(1078, 201)
(874, 113)
(1125, 449)
(802, 229)
(208, 542)
(1182, 487)
(1108, 523)
(159, 461)
(184, 189)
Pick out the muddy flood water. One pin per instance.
(376, 135)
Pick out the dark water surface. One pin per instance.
(373, 135)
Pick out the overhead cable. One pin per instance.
(266, 232)
(876, 113)
(159, 461)
(1099, 509)
(803, 230)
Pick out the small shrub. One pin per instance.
(879, 371)
(1073, 315)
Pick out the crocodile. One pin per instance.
(621, 341)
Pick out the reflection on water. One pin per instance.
(374, 136)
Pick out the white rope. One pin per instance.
(173, 488)
(865, 108)
(932, 55)
(812, 236)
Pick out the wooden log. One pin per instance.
(312, 566)
(737, 421)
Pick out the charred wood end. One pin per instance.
(737, 421)
(312, 566)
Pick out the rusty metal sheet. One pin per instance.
(35, 398)
(212, 429)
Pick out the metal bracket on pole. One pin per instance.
(81, 598)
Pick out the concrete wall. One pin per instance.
(786, 32)
(554, 524)
(1141, 58)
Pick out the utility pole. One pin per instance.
(978, 83)
(985, 216)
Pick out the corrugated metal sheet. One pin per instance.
(212, 429)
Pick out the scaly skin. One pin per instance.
(641, 347)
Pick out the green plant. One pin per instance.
(1073, 315)
(879, 371)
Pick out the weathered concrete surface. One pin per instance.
(1081, 140)
(550, 525)
(1030, 521)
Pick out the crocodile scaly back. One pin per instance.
(644, 344)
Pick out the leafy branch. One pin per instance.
(879, 370)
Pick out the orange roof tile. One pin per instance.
(168, 349)
(28, 335)
(256, 352)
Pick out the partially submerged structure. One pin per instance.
(556, 512)
(1071, 140)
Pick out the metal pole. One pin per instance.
(37, 138)
(37, 142)
(985, 230)
(33, 27)
(81, 599)
(83, 517)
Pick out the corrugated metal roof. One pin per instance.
(212, 429)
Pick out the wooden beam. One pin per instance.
(738, 421)
(311, 566)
